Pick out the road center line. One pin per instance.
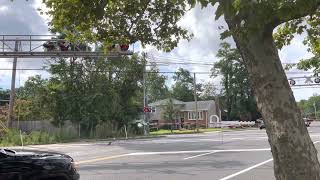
(252, 167)
(190, 152)
(100, 159)
(199, 155)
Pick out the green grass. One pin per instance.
(166, 132)
(13, 138)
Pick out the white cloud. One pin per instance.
(295, 51)
(3, 9)
(20, 18)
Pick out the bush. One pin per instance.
(38, 137)
(134, 130)
(65, 135)
(165, 126)
(105, 130)
(13, 138)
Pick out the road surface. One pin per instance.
(234, 155)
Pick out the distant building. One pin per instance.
(186, 116)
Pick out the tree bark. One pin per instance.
(295, 157)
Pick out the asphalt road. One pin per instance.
(236, 155)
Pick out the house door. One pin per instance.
(182, 122)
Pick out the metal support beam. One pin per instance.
(48, 46)
(62, 54)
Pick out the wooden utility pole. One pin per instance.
(145, 100)
(13, 86)
(195, 99)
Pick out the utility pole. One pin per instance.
(145, 100)
(218, 107)
(195, 99)
(13, 86)
(315, 110)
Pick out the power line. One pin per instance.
(45, 69)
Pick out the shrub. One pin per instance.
(13, 138)
(105, 130)
(65, 134)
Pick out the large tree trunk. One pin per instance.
(295, 157)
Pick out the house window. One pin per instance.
(153, 109)
(192, 115)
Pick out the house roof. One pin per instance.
(186, 106)
(202, 105)
(165, 102)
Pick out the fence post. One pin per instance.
(79, 130)
(125, 131)
(21, 138)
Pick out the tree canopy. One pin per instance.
(183, 89)
(156, 85)
(251, 24)
(237, 95)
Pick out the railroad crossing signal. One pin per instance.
(292, 82)
(146, 109)
(47, 46)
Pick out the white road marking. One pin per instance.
(199, 155)
(200, 151)
(245, 170)
(237, 138)
(168, 152)
(252, 167)
(316, 142)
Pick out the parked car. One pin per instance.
(36, 165)
(307, 123)
(260, 123)
(262, 126)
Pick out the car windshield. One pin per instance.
(160, 89)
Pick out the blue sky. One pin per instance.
(21, 17)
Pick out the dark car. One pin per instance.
(260, 123)
(36, 165)
(262, 126)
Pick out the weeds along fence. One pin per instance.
(71, 131)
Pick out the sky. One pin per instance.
(22, 17)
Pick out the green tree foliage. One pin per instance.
(237, 97)
(156, 85)
(251, 24)
(4, 97)
(183, 87)
(32, 100)
(90, 91)
(85, 91)
(309, 106)
(209, 91)
(308, 26)
(4, 94)
(112, 21)
(170, 112)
